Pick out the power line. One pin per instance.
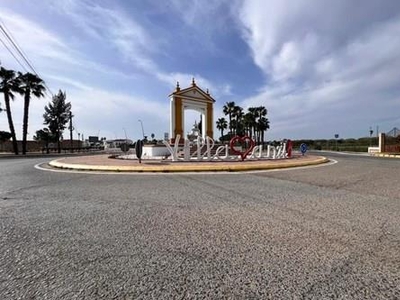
(16, 43)
(21, 53)
(9, 50)
(17, 48)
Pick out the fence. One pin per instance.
(392, 148)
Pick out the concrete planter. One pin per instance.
(155, 150)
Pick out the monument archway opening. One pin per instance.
(191, 98)
(193, 125)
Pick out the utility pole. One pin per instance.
(70, 130)
(370, 136)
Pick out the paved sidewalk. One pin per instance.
(104, 163)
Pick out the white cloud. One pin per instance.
(92, 105)
(110, 112)
(47, 49)
(132, 40)
(185, 80)
(201, 16)
(40, 43)
(328, 61)
(112, 27)
(69, 82)
(287, 63)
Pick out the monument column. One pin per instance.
(209, 117)
(382, 142)
(178, 117)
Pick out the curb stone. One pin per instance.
(191, 167)
(387, 155)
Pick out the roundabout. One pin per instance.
(106, 164)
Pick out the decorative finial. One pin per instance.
(193, 82)
(177, 86)
(208, 92)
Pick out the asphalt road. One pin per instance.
(330, 232)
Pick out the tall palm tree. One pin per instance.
(238, 117)
(261, 111)
(249, 124)
(228, 110)
(31, 84)
(262, 125)
(253, 120)
(8, 85)
(222, 124)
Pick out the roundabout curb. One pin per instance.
(179, 167)
(387, 155)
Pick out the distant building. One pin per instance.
(93, 139)
(116, 143)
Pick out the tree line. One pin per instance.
(28, 85)
(252, 123)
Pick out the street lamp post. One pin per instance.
(126, 137)
(141, 123)
(70, 132)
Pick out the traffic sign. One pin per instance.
(303, 148)
(139, 150)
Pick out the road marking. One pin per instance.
(330, 163)
(362, 154)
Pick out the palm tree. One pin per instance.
(238, 117)
(30, 84)
(8, 85)
(221, 125)
(253, 120)
(248, 124)
(228, 110)
(262, 125)
(261, 111)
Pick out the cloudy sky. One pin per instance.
(320, 67)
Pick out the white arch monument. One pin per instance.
(193, 98)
